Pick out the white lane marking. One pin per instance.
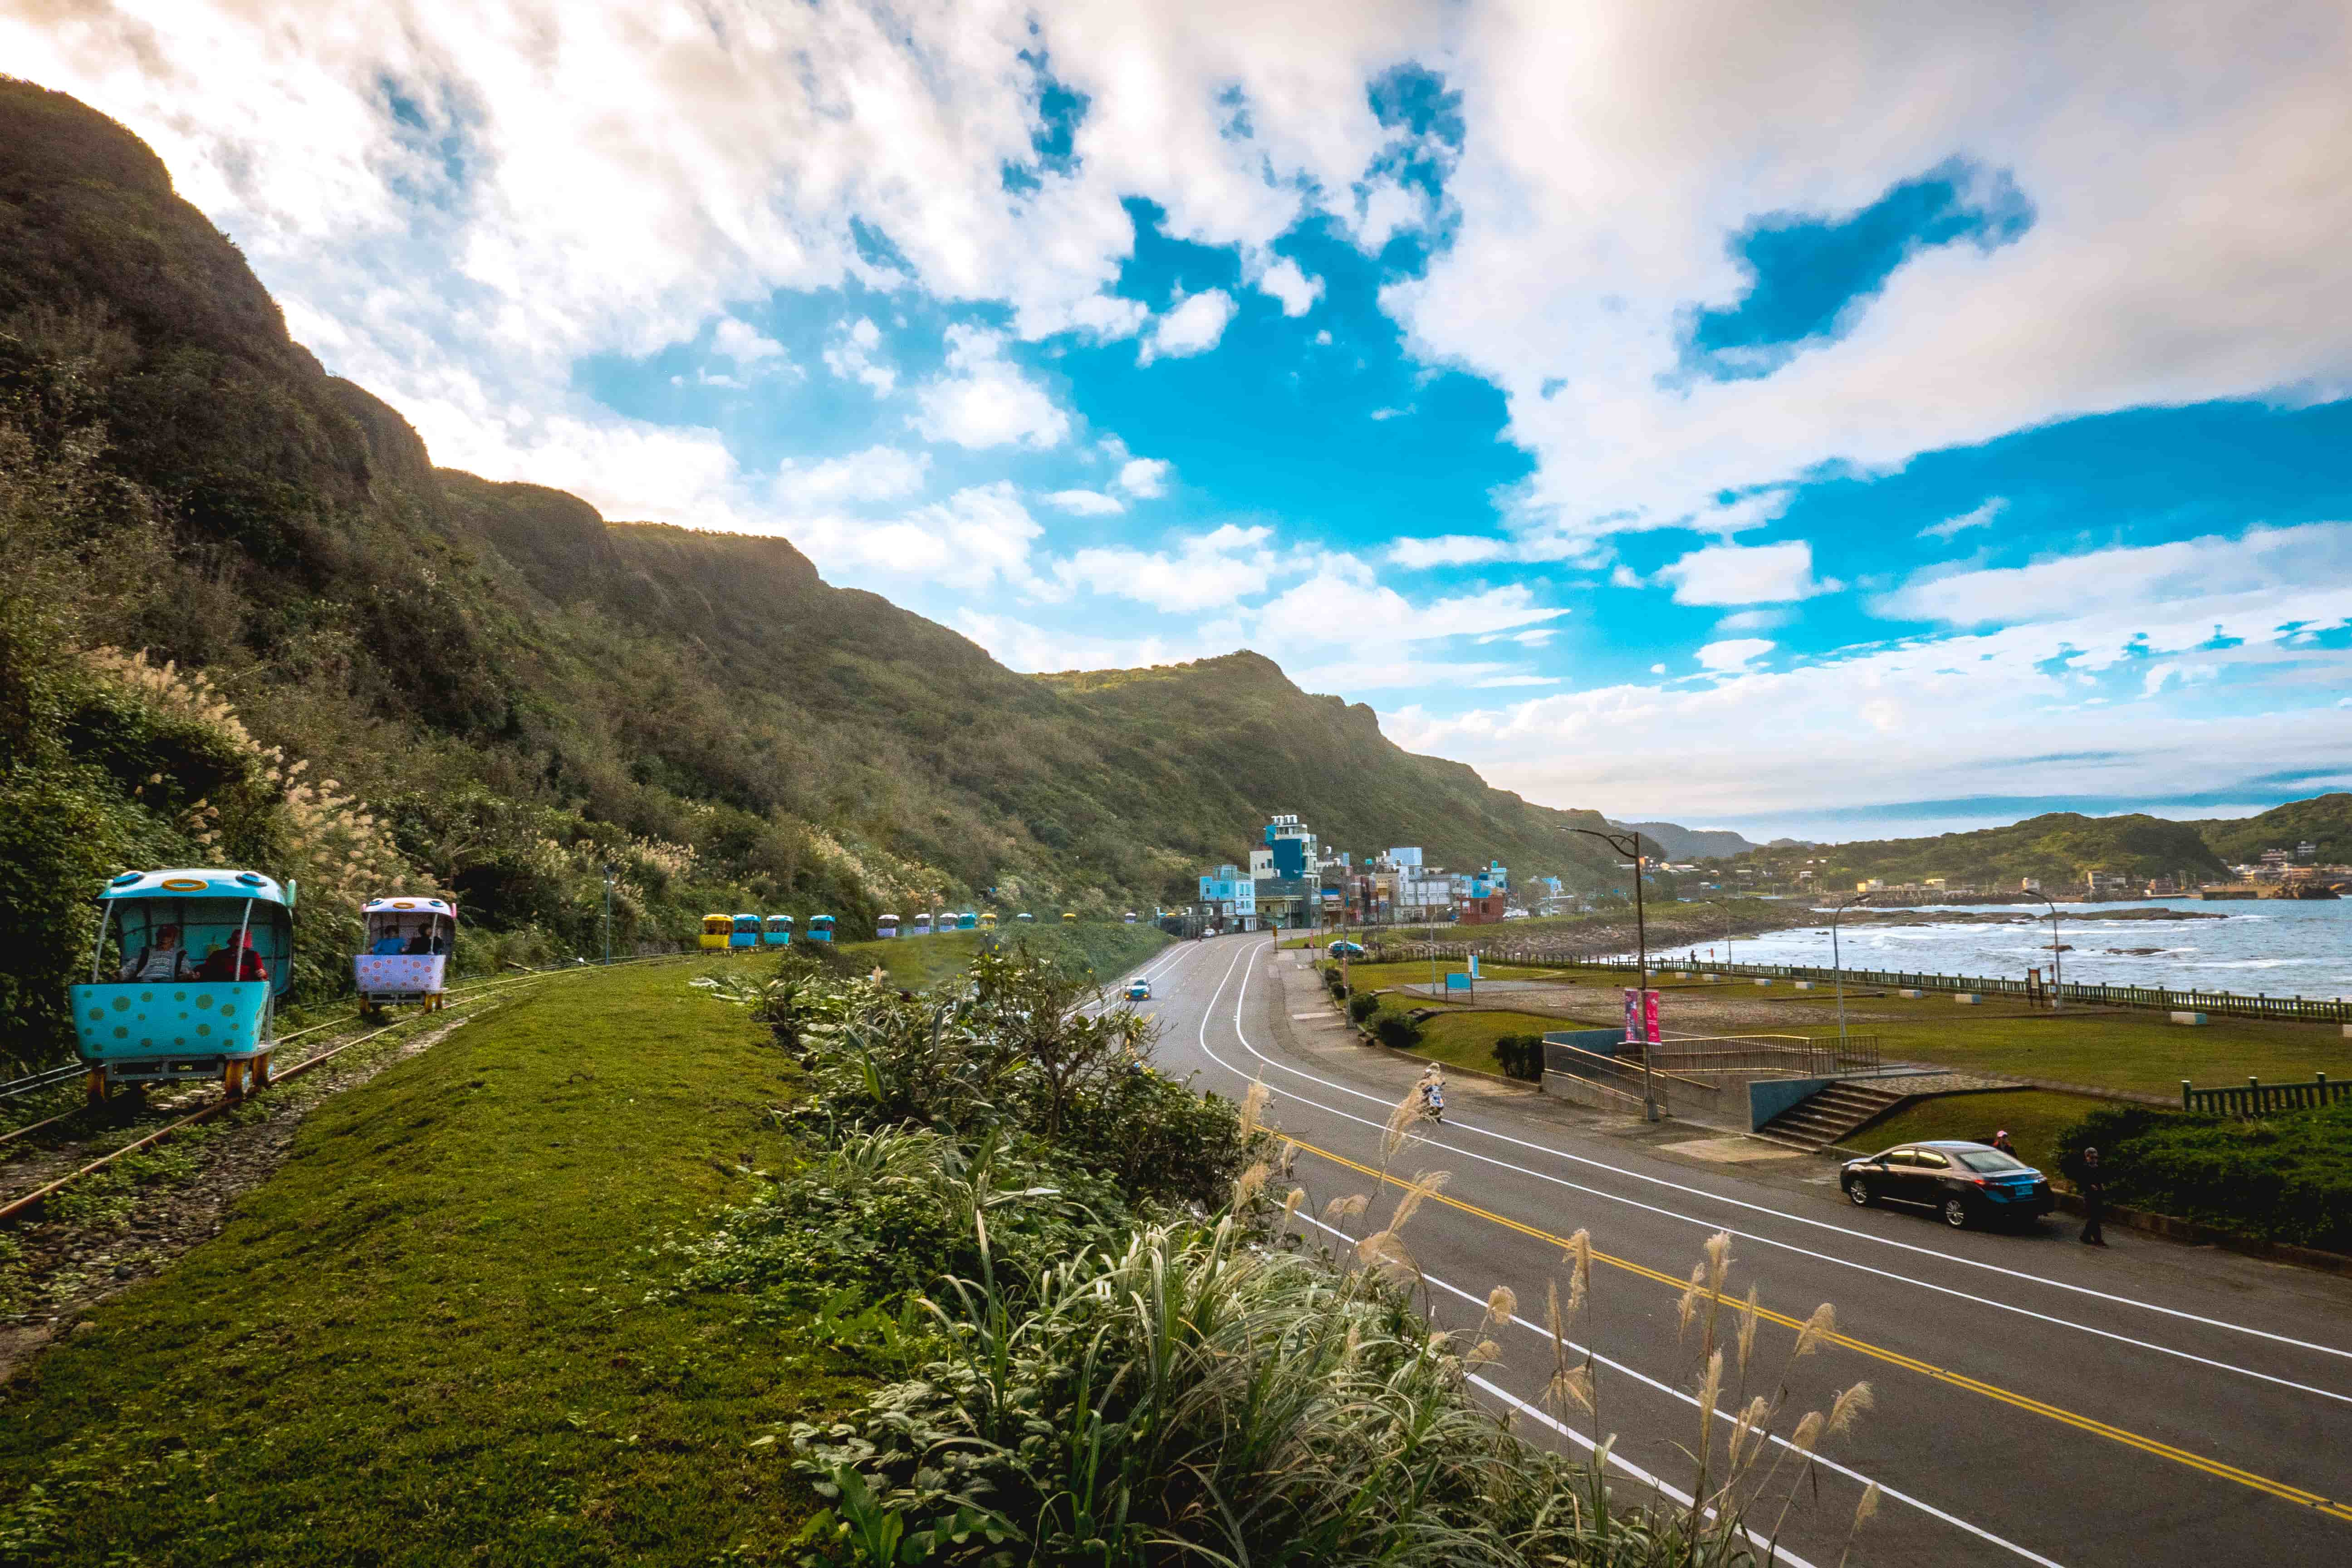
(1773, 1552)
(1723, 1415)
(1796, 1219)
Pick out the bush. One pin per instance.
(1362, 1005)
(1396, 1029)
(1521, 1056)
(2286, 1178)
(1333, 982)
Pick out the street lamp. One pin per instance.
(1725, 905)
(1631, 845)
(1837, 966)
(2057, 960)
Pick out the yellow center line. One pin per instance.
(1894, 1358)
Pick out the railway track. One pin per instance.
(461, 996)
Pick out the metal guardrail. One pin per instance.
(2259, 1098)
(2229, 1004)
(1795, 1055)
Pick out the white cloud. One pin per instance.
(1448, 550)
(1086, 504)
(1980, 517)
(1588, 208)
(1220, 568)
(984, 400)
(851, 357)
(2241, 574)
(976, 540)
(746, 345)
(1755, 620)
(2055, 707)
(1146, 478)
(1192, 327)
(1733, 653)
(1745, 574)
(1296, 291)
(875, 474)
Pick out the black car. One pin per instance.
(1966, 1182)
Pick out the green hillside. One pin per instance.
(2325, 820)
(248, 620)
(2062, 846)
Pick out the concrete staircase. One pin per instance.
(1828, 1117)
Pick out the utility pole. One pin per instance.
(1632, 844)
(608, 912)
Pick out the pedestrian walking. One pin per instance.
(2094, 1185)
(2001, 1141)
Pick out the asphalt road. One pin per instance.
(2035, 1400)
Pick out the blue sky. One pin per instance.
(1870, 426)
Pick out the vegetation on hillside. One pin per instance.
(2325, 820)
(235, 578)
(2059, 848)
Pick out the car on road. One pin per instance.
(1346, 950)
(1966, 1183)
(1138, 990)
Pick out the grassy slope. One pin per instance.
(426, 1340)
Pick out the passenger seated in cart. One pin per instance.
(161, 960)
(235, 960)
(388, 945)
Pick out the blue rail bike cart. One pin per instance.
(185, 979)
(820, 928)
(747, 931)
(777, 932)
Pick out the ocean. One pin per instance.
(2273, 946)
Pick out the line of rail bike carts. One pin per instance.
(190, 967)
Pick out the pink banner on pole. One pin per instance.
(1632, 1016)
(1650, 1018)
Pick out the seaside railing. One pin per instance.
(2259, 1098)
(2227, 1004)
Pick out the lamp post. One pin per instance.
(1725, 905)
(1631, 845)
(2057, 960)
(1837, 964)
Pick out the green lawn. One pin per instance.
(1466, 1039)
(429, 1337)
(2035, 1118)
(2139, 1051)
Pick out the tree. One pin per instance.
(1057, 1020)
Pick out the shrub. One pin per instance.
(2284, 1178)
(1362, 1005)
(1521, 1056)
(1396, 1029)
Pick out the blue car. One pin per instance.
(1966, 1183)
(1346, 950)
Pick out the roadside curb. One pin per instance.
(2190, 1233)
